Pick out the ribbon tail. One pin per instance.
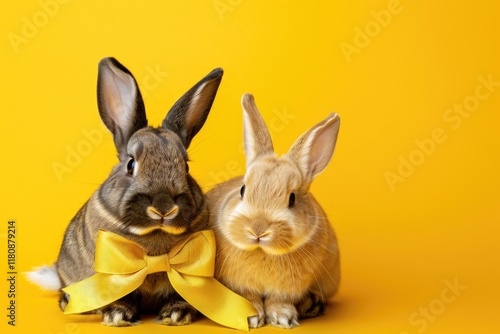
(213, 300)
(100, 290)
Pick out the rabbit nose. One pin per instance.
(162, 207)
(258, 233)
(154, 213)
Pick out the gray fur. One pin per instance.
(160, 180)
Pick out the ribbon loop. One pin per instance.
(115, 254)
(122, 266)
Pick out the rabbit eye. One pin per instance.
(131, 166)
(291, 200)
(242, 191)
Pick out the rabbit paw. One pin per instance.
(311, 306)
(119, 314)
(63, 301)
(257, 321)
(282, 315)
(177, 314)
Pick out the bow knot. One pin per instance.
(121, 266)
(157, 263)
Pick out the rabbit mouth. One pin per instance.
(266, 242)
(269, 249)
(164, 226)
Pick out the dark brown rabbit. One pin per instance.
(149, 188)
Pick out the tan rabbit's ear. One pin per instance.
(314, 149)
(190, 112)
(256, 137)
(120, 102)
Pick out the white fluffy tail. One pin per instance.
(46, 277)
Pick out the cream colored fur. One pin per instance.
(283, 258)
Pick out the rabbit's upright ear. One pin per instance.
(120, 102)
(190, 112)
(256, 137)
(313, 150)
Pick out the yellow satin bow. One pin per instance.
(122, 266)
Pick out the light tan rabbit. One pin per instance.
(275, 245)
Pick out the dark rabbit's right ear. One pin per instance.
(190, 112)
(120, 102)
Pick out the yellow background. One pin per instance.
(400, 244)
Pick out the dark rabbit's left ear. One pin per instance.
(190, 112)
(120, 102)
